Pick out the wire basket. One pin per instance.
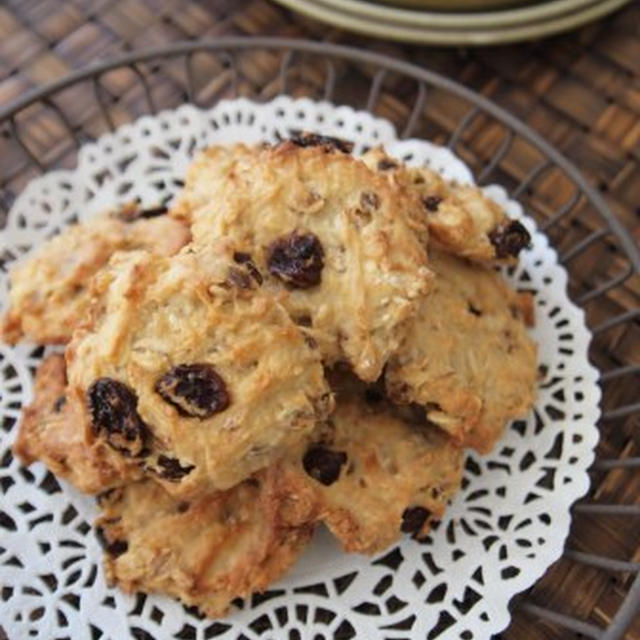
(602, 260)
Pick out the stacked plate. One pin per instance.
(455, 22)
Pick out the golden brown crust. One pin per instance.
(374, 270)
(51, 431)
(526, 303)
(391, 467)
(461, 219)
(467, 357)
(164, 313)
(50, 292)
(206, 552)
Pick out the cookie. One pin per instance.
(373, 474)
(332, 239)
(207, 551)
(460, 218)
(202, 381)
(51, 431)
(49, 293)
(467, 358)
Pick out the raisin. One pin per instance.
(474, 310)
(297, 259)
(432, 203)
(254, 272)
(303, 320)
(386, 164)
(182, 507)
(59, 403)
(413, 519)
(326, 142)
(153, 212)
(245, 259)
(195, 390)
(115, 548)
(240, 257)
(509, 239)
(113, 407)
(323, 464)
(369, 200)
(171, 469)
(131, 212)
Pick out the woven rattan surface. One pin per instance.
(581, 91)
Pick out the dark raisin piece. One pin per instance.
(303, 320)
(326, 142)
(118, 547)
(153, 212)
(171, 469)
(245, 259)
(509, 239)
(240, 257)
(115, 548)
(182, 507)
(59, 403)
(431, 203)
(413, 519)
(113, 407)
(386, 164)
(474, 310)
(253, 272)
(131, 212)
(195, 390)
(323, 464)
(297, 259)
(369, 200)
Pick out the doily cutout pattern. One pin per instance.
(505, 527)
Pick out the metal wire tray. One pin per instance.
(203, 72)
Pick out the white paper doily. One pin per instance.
(505, 527)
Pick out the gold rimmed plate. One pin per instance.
(518, 15)
(471, 30)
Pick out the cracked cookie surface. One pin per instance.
(374, 474)
(207, 551)
(50, 292)
(334, 240)
(201, 381)
(461, 219)
(467, 358)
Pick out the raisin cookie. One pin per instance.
(51, 431)
(467, 358)
(333, 239)
(461, 219)
(202, 382)
(373, 473)
(50, 291)
(208, 551)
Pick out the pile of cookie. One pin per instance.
(304, 337)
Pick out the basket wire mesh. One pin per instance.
(550, 188)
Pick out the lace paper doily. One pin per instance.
(505, 527)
